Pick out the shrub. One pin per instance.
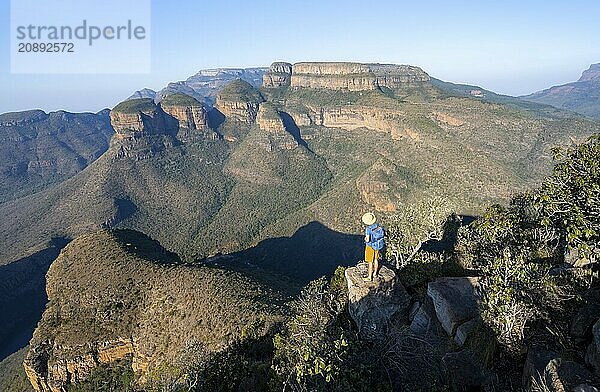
(569, 200)
(520, 249)
(318, 350)
(117, 376)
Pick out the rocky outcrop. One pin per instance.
(136, 116)
(592, 74)
(354, 117)
(73, 369)
(373, 304)
(455, 304)
(190, 117)
(356, 76)
(239, 101)
(278, 75)
(118, 294)
(237, 110)
(142, 129)
(273, 129)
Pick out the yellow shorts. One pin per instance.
(371, 254)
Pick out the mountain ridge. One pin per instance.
(240, 182)
(581, 96)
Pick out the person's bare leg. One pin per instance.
(370, 273)
(376, 267)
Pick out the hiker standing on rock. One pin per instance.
(374, 234)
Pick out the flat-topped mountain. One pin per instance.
(582, 96)
(344, 76)
(236, 181)
(313, 153)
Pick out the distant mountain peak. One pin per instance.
(582, 96)
(143, 93)
(592, 74)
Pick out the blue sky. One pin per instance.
(511, 47)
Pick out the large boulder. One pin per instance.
(373, 304)
(454, 300)
(455, 303)
(424, 323)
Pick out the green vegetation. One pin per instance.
(268, 111)
(516, 247)
(116, 376)
(409, 230)
(518, 252)
(133, 106)
(39, 150)
(240, 90)
(425, 154)
(178, 99)
(12, 374)
(317, 350)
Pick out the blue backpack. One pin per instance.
(376, 238)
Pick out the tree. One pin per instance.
(520, 249)
(413, 226)
(569, 200)
(311, 350)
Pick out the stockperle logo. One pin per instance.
(80, 36)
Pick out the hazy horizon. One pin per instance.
(509, 48)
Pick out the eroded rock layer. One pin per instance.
(347, 76)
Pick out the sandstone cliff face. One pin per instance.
(238, 110)
(278, 75)
(141, 116)
(73, 370)
(350, 117)
(190, 117)
(239, 101)
(355, 76)
(140, 304)
(141, 129)
(273, 129)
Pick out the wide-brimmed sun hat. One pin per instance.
(368, 218)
